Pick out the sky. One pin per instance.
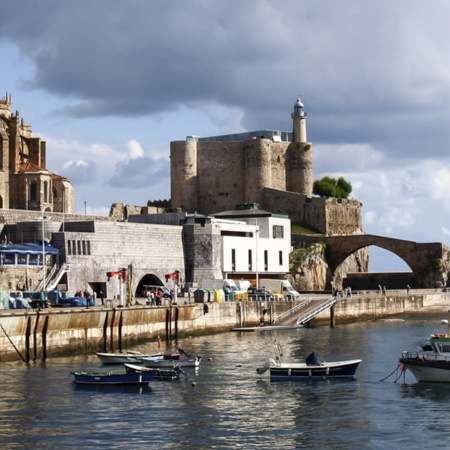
(109, 84)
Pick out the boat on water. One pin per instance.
(132, 357)
(167, 374)
(133, 375)
(310, 369)
(167, 360)
(432, 364)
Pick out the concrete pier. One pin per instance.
(39, 334)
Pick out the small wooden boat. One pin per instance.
(123, 358)
(132, 375)
(308, 370)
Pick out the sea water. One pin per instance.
(225, 404)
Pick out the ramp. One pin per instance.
(304, 311)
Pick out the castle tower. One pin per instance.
(299, 121)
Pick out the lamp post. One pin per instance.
(43, 253)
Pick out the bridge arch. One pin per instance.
(424, 260)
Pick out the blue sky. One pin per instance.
(109, 84)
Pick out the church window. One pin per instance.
(33, 191)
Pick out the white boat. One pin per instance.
(308, 370)
(171, 361)
(180, 359)
(432, 365)
(124, 357)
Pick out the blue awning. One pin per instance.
(29, 249)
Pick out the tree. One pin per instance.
(330, 187)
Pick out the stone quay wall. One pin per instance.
(52, 332)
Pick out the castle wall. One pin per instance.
(299, 169)
(213, 176)
(328, 215)
(183, 176)
(220, 176)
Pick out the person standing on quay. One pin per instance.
(102, 297)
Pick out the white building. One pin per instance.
(246, 243)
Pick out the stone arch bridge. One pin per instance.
(428, 261)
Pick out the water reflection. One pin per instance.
(225, 404)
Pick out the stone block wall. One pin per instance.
(149, 249)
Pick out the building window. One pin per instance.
(88, 247)
(84, 247)
(78, 247)
(266, 260)
(280, 257)
(233, 259)
(249, 260)
(45, 192)
(278, 232)
(69, 249)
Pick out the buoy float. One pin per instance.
(194, 384)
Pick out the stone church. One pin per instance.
(25, 182)
(271, 168)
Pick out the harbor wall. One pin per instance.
(36, 335)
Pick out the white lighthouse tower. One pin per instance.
(299, 121)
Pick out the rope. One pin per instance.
(395, 370)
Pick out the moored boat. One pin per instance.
(132, 375)
(308, 370)
(132, 357)
(167, 360)
(433, 364)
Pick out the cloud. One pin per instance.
(80, 171)
(109, 87)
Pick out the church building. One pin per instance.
(25, 182)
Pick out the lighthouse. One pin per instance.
(299, 121)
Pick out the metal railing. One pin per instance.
(294, 309)
(317, 310)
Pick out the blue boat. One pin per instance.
(132, 375)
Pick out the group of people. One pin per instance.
(91, 298)
(154, 297)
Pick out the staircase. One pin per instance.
(304, 311)
(53, 278)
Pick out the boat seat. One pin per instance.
(311, 359)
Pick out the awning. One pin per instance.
(29, 249)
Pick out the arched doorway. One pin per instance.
(148, 281)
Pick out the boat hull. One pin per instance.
(160, 363)
(429, 370)
(109, 378)
(300, 371)
(123, 358)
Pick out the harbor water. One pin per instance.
(225, 404)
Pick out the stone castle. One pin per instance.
(25, 182)
(271, 168)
